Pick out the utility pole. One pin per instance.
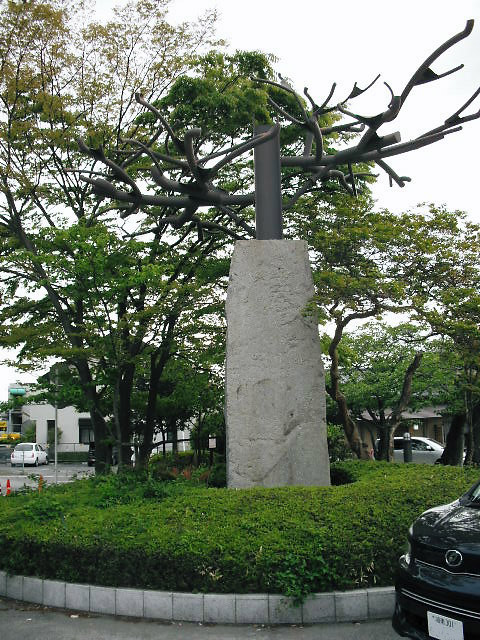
(56, 424)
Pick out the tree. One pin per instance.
(387, 369)
(368, 263)
(74, 285)
(456, 316)
(119, 293)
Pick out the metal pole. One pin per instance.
(56, 421)
(407, 447)
(268, 194)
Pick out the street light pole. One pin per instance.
(56, 422)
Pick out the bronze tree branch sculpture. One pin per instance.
(315, 164)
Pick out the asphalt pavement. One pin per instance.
(28, 476)
(34, 622)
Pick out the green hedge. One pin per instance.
(69, 456)
(181, 536)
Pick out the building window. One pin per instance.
(50, 430)
(85, 431)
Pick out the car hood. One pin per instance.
(454, 524)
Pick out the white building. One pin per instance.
(74, 428)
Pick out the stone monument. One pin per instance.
(275, 386)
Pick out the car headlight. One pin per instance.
(407, 551)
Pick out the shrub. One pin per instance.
(338, 448)
(68, 456)
(133, 530)
(218, 475)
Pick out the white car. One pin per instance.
(29, 453)
(424, 450)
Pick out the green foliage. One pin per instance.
(43, 507)
(68, 456)
(30, 434)
(218, 475)
(338, 449)
(135, 531)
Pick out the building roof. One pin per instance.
(419, 414)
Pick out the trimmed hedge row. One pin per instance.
(178, 535)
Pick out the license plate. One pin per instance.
(443, 628)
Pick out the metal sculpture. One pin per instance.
(316, 165)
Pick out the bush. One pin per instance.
(218, 475)
(68, 456)
(133, 530)
(338, 448)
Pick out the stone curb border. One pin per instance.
(339, 606)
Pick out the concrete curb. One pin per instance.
(230, 608)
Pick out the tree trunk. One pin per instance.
(359, 448)
(395, 417)
(172, 427)
(385, 446)
(453, 452)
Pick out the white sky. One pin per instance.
(316, 46)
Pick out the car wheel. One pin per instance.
(46, 460)
(11, 464)
(35, 464)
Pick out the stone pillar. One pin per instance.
(275, 387)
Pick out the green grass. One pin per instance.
(179, 535)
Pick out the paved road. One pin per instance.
(32, 622)
(21, 476)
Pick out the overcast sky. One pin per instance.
(316, 46)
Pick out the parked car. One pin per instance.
(5, 452)
(424, 450)
(30, 453)
(438, 580)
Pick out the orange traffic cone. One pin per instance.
(40, 484)
(8, 487)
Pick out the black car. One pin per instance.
(438, 580)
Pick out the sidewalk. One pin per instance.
(35, 622)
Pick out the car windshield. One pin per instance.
(435, 441)
(24, 447)
(475, 495)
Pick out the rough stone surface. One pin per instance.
(381, 602)
(54, 593)
(351, 605)
(33, 590)
(275, 389)
(281, 610)
(188, 607)
(129, 602)
(102, 600)
(77, 596)
(3, 583)
(252, 609)
(319, 607)
(219, 607)
(158, 604)
(15, 587)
